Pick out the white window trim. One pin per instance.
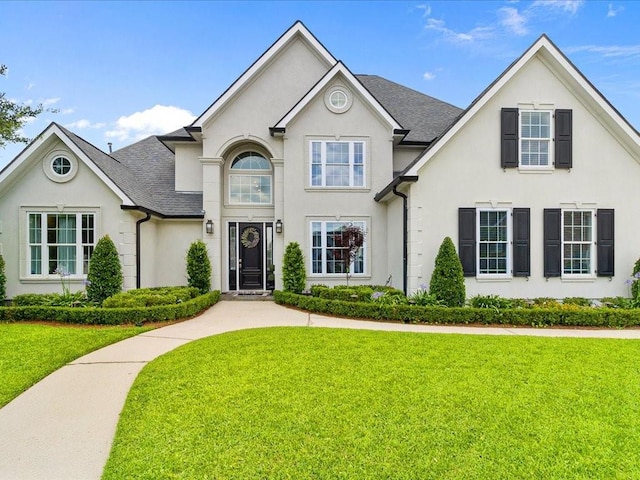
(536, 168)
(592, 260)
(509, 272)
(25, 243)
(323, 164)
(365, 267)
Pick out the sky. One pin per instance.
(121, 71)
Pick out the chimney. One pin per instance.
(110, 145)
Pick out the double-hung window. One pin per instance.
(577, 242)
(328, 249)
(494, 239)
(337, 164)
(60, 243)
(535, 138)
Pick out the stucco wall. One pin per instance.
(467, 173)
(188, 168)
(303, 203)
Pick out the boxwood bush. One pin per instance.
(568, 315)
(147, 297)
(110, 316)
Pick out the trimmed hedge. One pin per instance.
(149, 297)
(110, 316)
(531, 317)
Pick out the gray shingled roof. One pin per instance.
(154, 166)
(426, 117)
(144, 171)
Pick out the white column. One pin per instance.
(212, 191)
(278, 213)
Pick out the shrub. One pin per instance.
(3, 281)
(294, 274)
(105, 272)
(579, 301)
(635, 287)
(147, 297)
(424, 298)
(567, 315)
(199, 267)
(447, 279)
(490, 301)
(110, 316)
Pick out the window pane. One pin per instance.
(62, 259)
(250, 189)
(250, 161)
(36, 260)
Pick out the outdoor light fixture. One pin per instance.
(209, 227)
(278, 226)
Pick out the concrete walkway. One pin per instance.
(62, 427)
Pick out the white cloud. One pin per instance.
(67, 111)
(613, 51)
(50, 101)
(570, 6)
(513, 21)
(85, 124)
(426, 8)
(153, 121)
(429, 76)
(478, 33)
(612, 11)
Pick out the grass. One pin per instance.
(30, 352)
(305, 403)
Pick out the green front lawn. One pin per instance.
(305, 403)
(30, 352)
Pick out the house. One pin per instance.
(534, 181)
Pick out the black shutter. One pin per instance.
(467, 240)
(509, 138)
(604, 240)
(521, 249)
(552, 242)
(563, 149)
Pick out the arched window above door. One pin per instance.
(250, 180)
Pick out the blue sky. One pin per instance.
(119, 71)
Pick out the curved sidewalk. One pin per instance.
(62, 427)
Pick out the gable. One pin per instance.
(539, 67)
(299, 70)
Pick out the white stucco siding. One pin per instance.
(304, 203)
(188, 168)
(34, 192)
(466, 172)
(404, 155)
(267, 98)
(164, 251)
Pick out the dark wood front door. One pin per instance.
(250, 258)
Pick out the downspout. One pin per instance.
(138, 248)
(405, 235)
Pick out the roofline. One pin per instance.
(339, 67)
(159, 214)
(297, 27)
(396, 182)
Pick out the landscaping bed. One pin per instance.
(137, 307)
(376, 303)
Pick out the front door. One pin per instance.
(250, 262)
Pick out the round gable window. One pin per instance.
(61, 166)
(338, 99)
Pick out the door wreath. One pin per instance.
(250, 237)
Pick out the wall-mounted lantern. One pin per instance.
(278, 226)
(209, 227)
